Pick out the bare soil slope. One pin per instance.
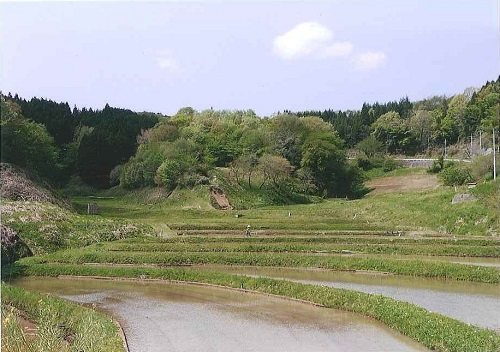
(414, 182)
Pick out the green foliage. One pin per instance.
(437, 165)
(27, 144)
(390, 165)
(455, 175)
(168, 174)
(482, 167)
(90, 143)
(325, 159)
(395, 133)
(370, 146)
(140, 170)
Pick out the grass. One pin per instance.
(432, 330)
(301, 247)
(61, 325)
(359, 239)
(45, 227)
(422, 268)
(427, 211)
(287, 236)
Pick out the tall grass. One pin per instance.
(61, 325)
(334, 262)
(295, 247)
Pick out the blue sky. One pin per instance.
(263, 55)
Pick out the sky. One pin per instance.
(268, 56)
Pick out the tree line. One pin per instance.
(58, 142)
(303, 152)
(405, 127)
(285, 153)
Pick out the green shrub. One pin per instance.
(437, 165)
(390, 165)
(455, 175)
(364, 163)
(168, 173)
(482, 167)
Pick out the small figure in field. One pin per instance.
(247, 231)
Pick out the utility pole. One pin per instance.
(494, 157)
(445, 148)
(480, 142)
(471, 145)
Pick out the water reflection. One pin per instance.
(473, 303)
(165, 317)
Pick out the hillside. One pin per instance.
(35, 220)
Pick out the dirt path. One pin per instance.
(403, 183)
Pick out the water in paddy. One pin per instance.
(471, 302)
(168, 317)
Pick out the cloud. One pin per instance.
(369, 60)
(311, 39)
(166, 61)
(308, 39)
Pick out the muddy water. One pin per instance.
(473, 303)
(166, 317)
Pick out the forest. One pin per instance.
(314, 152)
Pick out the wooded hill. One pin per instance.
(301, 153)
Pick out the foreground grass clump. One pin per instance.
(61, 325)
(335, 262)
(435, 331)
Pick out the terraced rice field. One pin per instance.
(215, 260)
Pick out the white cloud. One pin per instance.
(307, 38)
(311, 39)
(370, 60)
(166, 61)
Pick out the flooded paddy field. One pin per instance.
(160, 317)
(473, 303)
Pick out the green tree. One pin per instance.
(276, 170)
(323, 158)
(420, 124)
(244, 167)
(370, 146)
(287, 134)
(394, 132)
(27, 144)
